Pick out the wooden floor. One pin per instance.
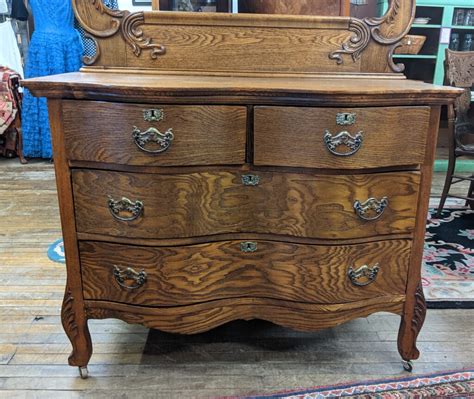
(131, 362)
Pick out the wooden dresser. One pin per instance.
(221, 167)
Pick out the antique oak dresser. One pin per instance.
(214, 167)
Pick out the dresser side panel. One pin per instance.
(73, 315)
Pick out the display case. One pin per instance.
(444, 23)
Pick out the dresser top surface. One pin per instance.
(148, 87)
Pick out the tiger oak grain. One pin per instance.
(392, 136)
(203, 135)
(205, 203)
(207, 272)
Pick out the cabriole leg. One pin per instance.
(412, 321)
(75, 325)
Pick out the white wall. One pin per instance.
(127, 5)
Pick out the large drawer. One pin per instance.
(170, 276)
(208, 203)
(118, 133)
(340, 138)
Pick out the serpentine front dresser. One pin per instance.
(214, 167)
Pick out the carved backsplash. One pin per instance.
(238, 43)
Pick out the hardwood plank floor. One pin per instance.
(132, 362)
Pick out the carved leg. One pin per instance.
(75, 325)
(412, 321)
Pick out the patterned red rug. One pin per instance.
(458, 385)
(448, 261)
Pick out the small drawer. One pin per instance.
(135, 205)
(154, 135)
(340, 138)
(182, 275)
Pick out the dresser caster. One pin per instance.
(83, 372)
(407, 365)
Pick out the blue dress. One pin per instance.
(55, 48)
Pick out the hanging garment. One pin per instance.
(89, 46)
(9, 51)
(21, 32)
(3, 7)
(54, 48)
(8, 103)
(19, 11)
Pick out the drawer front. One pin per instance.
(349, 138)
(208, 203)
(172, 135)
(171, 276)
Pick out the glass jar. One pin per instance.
(458, 18)
(454, 42)
(469, 18)
(467, 42)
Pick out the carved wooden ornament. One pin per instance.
(356, 45)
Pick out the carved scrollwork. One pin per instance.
(67, 315)
(419, 313)
(90, 60)
(134, 36)
(129, 24)
(115, 21)
(380, 29)
(103, 9)
(356, 44)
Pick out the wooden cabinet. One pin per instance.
(190, 199)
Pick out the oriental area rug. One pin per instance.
(448, 260)
(458, 385)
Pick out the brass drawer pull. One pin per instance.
(248, 246)
(344, 138)
(135, 209)
(122, 275)
(364, 275)
(160, 140)
(250, 180)
(372, 207)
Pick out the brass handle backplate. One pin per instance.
(344, 138)
(345, 118)
(123, 275)
(118, 208)
(372, 209)
(160, 141)
(153, 115)
(248, 246)
(364, 275)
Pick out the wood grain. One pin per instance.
(199, 204)
(205, 316)
(208, 88)
(294, 136)
(415, 306)
(245, 48)
(207, 272)
(72, 314)
(202, 135)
